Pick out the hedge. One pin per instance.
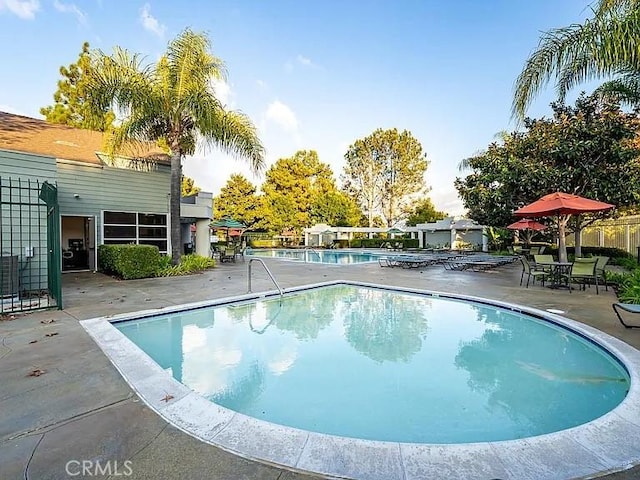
(129, 261)
(612, 252)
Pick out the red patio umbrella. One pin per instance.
(527, 224)
(528, 227)
(563, 205)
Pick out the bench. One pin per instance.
(627, 307)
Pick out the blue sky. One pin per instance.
(312, 74)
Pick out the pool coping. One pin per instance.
(607, 444)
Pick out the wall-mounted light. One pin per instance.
(76, 195)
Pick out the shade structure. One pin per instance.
(527, 224)
(228, 224)
(562, 205)
(395, 230)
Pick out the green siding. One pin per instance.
(26, 165)
(107, 188)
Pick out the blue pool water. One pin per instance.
(387, 365)
(317, 256)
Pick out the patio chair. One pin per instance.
(544, 259)
(531, 271)
(228, 254)
(534, 250)
(627, 307)
(583, 271)
(601, 262)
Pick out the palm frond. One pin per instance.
(614, 7)
(624, 89)
(578, 53)
(191, 63)
(234, 133)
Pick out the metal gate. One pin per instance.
(30, 276)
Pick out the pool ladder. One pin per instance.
(307, 249)
(266, 269)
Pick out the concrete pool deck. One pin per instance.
(80, 408)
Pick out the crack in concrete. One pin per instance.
(148, 444)
(8, 351)
(53, 426)
(26, 468)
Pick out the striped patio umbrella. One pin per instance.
(227, 224)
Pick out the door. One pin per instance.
(78, 243)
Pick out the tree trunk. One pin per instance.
(562, 245)
(174, 206)
(578, 237)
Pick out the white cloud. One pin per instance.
(224, 93)
(151, 23)
(71, 8)
(25, 9)
(306, 62)
(446, 199)
(280, 114)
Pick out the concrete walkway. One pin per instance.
(80, 409)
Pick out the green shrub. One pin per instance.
(356, 243)
(341, 243)
(615, 254)
(129, 261)
(628, 286)
(373, 242)
(188, 264)
(628, 263)
(411, 243)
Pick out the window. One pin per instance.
(137, 228)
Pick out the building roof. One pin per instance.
(31, 135)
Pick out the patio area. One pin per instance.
(80, 408)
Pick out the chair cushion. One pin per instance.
(629, 307)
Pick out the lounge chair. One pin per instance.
(627, 307)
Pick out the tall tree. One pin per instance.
(423, 211)
(188, 187)
(300, 191)
(589, 150)
(238, 200)
(335, 208)
(383, 171)
(172, 101)
(70, 100)
(603, 46)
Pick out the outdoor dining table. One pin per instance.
(559, 273)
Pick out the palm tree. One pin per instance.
(172, 102)
(605, 46)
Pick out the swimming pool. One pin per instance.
(332, 257)
(362, 362)
(564, 454)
